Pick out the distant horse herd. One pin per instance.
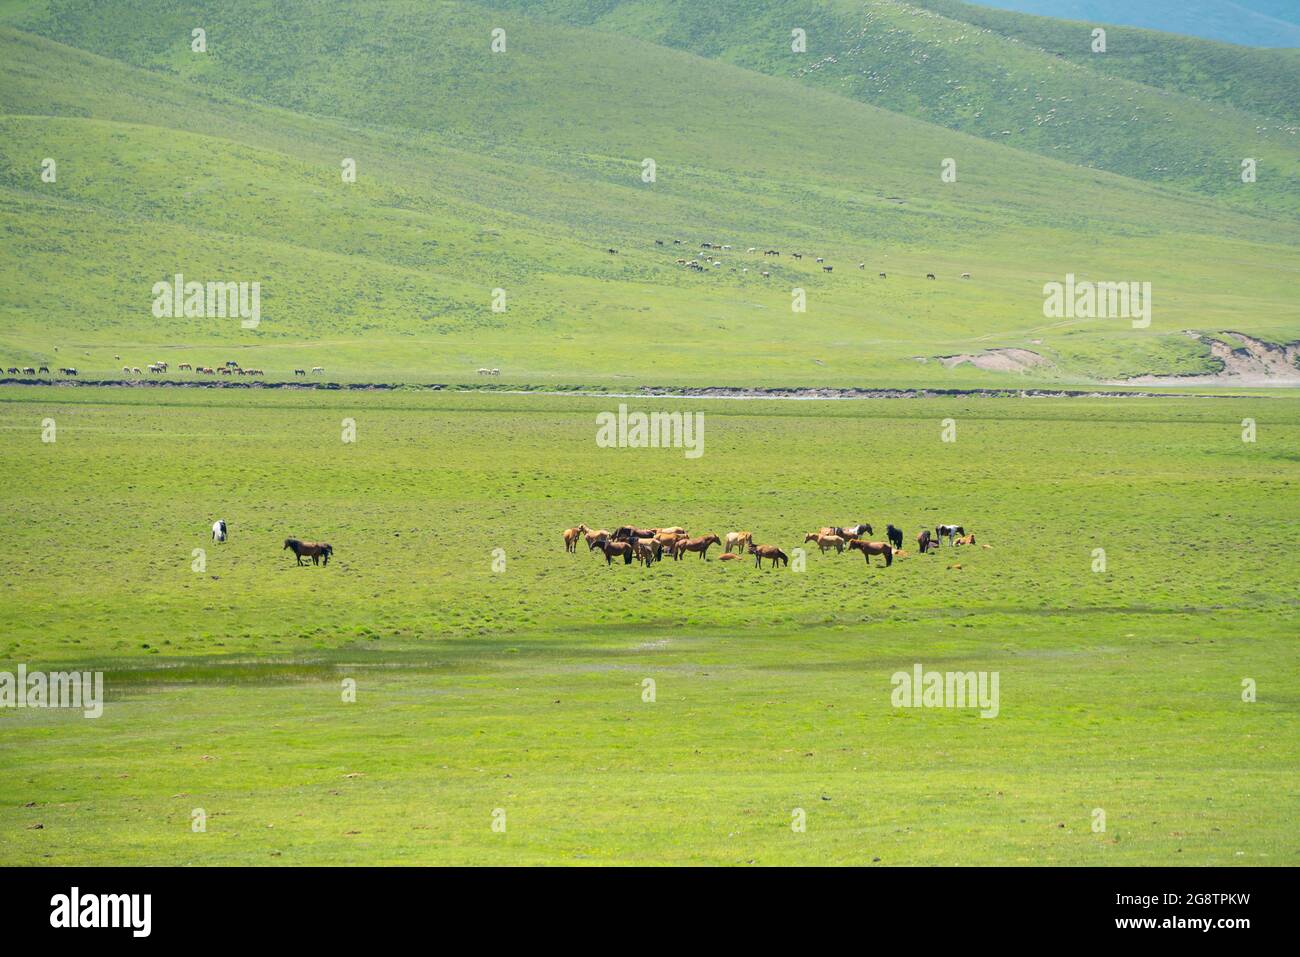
(649, 545)
(708, 259)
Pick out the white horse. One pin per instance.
(949, 532)
(219, 530)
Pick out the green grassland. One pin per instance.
(519, 686)
(521, 689)
(517, 171)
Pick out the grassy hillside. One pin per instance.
(1262, 23)
(517, 171)
(1265, 82)
(971, 70)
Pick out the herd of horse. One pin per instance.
(649, 545)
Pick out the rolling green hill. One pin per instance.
(517, 171)
(1034, 84)
(1264, 23)
(1266, 82)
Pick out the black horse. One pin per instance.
(895, 536)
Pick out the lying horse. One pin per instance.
(873, 548)
(895, 536)
(761, 552)
(966, 539)
(313, 550)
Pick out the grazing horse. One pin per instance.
(219, 530)
(826, 541)
(949, 532)
(700, 545)
(873, 548)
(925, 541)
(740, 540)
(571, 537)
(929, 275)
(895, 536)
(761, 552)
(313, 550)
(616, 548)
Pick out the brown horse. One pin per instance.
(595, 536)
(825, 541)
(966, 539)
(728, 557)
(313, 550)
(700, 545)
(648, 550)
(761, 552)
(616, 548)
(925, 541)
(873, 548)
(571, 537)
